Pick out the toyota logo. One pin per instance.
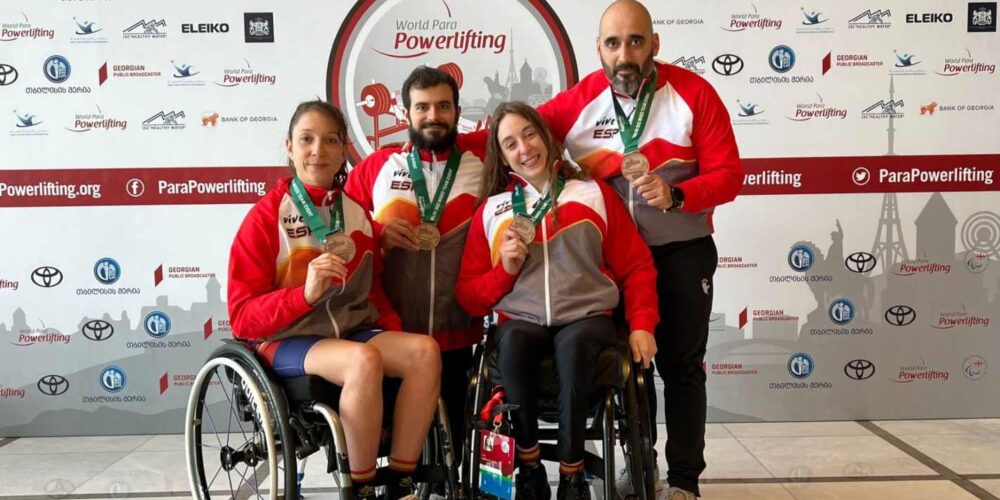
(727, 64)
(46, 276)
(860, 262)
(97, 329)
(53, 385)
(859, 369)
(900, 315)
(59, 488)
(8, 75)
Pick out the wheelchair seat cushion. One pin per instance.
(309, 389)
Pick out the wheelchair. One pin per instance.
(246, 429)
(619, 411)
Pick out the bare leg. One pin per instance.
(416, 360)
(357, 368)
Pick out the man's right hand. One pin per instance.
(400, 234)
(513, 252)
(319, 274)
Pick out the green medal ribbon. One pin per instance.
(541, 208)
(431, 211)
(311, 214)
(631, 132)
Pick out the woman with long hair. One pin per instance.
(549, 252)
(304, 290)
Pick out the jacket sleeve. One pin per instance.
(480, 284)
(257, 307)
(631, 264)
(720, 175)
(387, 316)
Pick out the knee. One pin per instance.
(367, 368)
(426, 355)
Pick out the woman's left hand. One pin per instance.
(643, 346)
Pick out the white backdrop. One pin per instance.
(76, 355)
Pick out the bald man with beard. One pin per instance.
(671, 155)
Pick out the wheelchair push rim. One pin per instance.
(231, 436)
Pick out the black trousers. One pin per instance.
(522, 345)
(455, 367)
(685, 287)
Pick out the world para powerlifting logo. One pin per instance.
(499, 51)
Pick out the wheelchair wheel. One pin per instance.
(635, 436)
(237, 438)
(440, 458)
(478, 393)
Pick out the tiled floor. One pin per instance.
(940, 459)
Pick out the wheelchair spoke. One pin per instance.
(216, 475)
(205, 409)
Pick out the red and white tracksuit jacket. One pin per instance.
(572, 272)
(421, 285)
(688, 139)
(267, 271)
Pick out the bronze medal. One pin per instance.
(524, 228)
(428, 235)
(634, 166)
(341, 245)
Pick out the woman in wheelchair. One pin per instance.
(548, 252)
(304, 291)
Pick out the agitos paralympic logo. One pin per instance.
(501, 51)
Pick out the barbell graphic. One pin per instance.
(377, 99)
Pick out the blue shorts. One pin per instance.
(288, 358)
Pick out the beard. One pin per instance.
(629, 85)
(433, 141)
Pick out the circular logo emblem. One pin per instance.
(113, 379)
(59, 488)
(157, 324)
(860, 262)
(46, 277)
(505, 50)
(976, 261)
(861, 176)
(859, 369)
(727, 64)
(8, 75)
(107, 270)
(56, 69)
(801, 365)
(842, 311)
(974, 367)
(900, 315)
(53, 385)
(801, 258)
(97, 329)
(781, 58)
(135, 188)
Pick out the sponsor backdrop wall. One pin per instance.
(859, 270)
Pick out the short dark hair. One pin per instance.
(424, 77)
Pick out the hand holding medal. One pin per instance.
(513, 251)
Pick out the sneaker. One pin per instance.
(366, 492)
(675, 493)
(573, 487)
(532, 483)
(623, 485)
